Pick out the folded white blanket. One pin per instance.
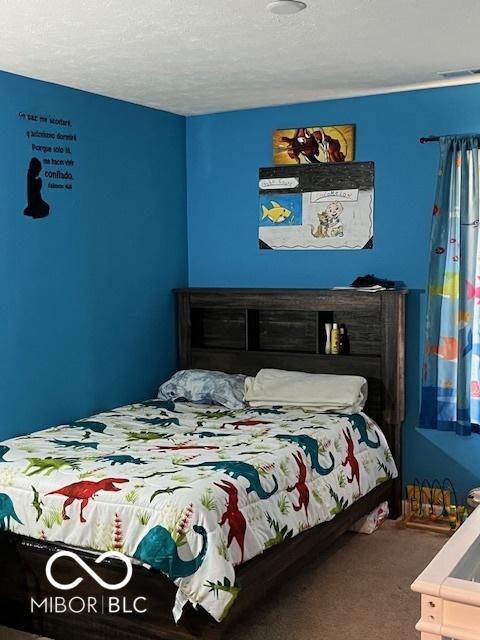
(325, 392)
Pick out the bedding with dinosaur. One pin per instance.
(190, 490)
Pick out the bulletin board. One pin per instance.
(325, 206)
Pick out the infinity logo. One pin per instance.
(87, 569)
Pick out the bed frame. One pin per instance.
(233, 330)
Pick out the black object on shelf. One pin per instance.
(370, 280)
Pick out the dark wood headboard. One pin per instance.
(245, 330)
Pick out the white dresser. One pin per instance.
(450, 587)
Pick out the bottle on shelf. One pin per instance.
(343, 344)
(335, 339)
(328, 346)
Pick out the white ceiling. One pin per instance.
(200, 56)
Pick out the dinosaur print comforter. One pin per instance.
(190, 490)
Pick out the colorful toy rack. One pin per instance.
(430, 507)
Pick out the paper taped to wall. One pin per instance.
(334, 195)
(278, 183)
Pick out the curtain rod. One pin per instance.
(429, 139)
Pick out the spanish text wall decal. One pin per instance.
(51, 165)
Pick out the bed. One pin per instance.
(169, 474)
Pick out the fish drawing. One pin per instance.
(276, 213)
(449, 288)
(447, 349)
(475, 389)
(471, 346)
(446, 384)
(472, 291)
(464, 318)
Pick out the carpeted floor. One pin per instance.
(359, 588)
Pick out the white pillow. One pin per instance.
(322, 391)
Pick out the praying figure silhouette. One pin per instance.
(36, 206)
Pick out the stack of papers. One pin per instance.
(373, 289)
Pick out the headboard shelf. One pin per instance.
(285, 354)
(285, 320)
(245, 330)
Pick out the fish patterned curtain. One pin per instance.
(451, 371)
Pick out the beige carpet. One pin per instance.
(359, 589)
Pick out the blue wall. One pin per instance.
(86, 311)
(225, 151)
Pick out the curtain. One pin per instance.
(451, 370)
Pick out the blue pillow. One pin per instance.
(206, 387)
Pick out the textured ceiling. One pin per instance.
(199, 56)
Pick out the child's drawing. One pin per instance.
(317, 206)
(330, 224)
(280, 210)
